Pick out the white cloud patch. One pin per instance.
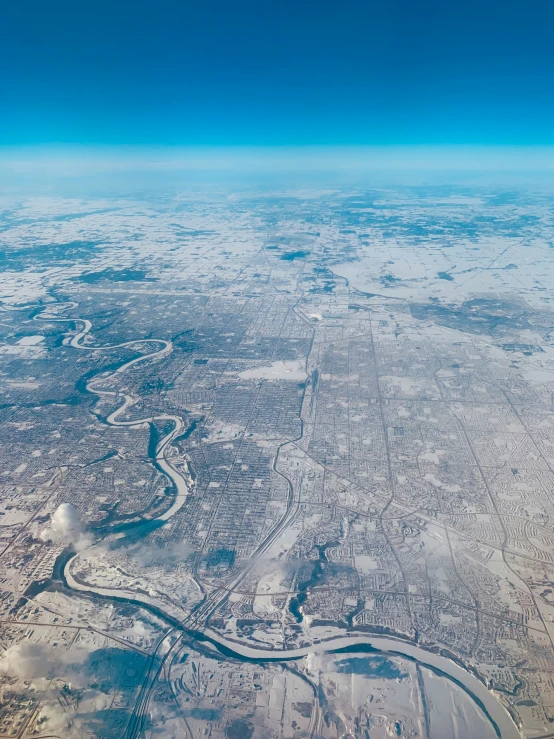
(31, 661)
(53, 718)
(67, 527)
(158, 555)
(70, 722)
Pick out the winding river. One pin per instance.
(493, 708)
(181, 482)
(497, 714)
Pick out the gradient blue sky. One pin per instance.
(265, 72)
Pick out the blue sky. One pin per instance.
(265, 72)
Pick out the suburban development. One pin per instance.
(277, 463)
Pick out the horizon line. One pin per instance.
(69, 160)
